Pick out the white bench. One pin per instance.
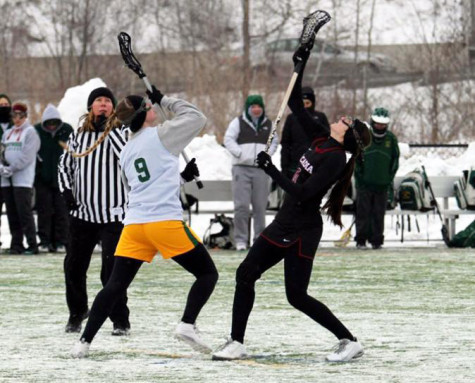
(221, 191)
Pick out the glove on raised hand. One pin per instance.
(264, 161)
(155, 95)
(190, 171)
(301, 55)
(68, 196)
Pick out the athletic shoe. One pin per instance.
(188, 333)
(361, 246)
(376, 247)
(346, 350)
(31, 251)
(240, 246)
(120, 331)
(80, 349)
(75, 322)
(44, 248)
(231, 350)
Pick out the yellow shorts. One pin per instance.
(142, 241)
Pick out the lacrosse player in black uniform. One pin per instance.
(295, 233)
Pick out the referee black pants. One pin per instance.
(84, 236)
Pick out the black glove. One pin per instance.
(264, 161)
(190, 171)
(100, 123)
(69, 199)
(301, 55)
(155, 95)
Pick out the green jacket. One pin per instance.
(49, 153)
(380, 163)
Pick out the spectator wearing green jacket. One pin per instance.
(374, 175)
(52, 212)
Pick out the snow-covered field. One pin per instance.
(412, 309)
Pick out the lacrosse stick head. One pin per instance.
(311, 25)
(125, 45)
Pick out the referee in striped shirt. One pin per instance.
(92, 188)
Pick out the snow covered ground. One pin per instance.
(412, 309)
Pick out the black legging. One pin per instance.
(197, 261)
(262, 256)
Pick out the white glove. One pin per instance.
(5, 171)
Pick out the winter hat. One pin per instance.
(380, 116)
(100, 92)
(131, 112)
(20, 107)
(308, 94)
(255, 99)
(51, 114)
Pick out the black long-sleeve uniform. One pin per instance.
(295, 233)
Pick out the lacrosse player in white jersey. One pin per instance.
(154, 220)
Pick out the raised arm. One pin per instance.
(186, 124)
(308, 123)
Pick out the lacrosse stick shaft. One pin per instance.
(276, 123)
(199, 184)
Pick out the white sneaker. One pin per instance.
(346, 350)
(188, 333)
(232, 349)
(240, 246)
(80, 349)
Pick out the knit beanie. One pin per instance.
(100, 92)
(255, 99)
(20, 107)
(131, 112)
(308, 94)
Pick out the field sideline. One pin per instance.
(412, 308)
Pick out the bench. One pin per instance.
(221, 191)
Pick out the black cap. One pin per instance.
(100, 92)
(308, 94)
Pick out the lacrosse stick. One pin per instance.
(125, 45)
(345, 238)
(444, 230)
(311, 25)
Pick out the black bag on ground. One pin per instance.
(224, 239)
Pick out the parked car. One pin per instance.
(326, 59)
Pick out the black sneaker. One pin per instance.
(15, 251)
(75, 322)
(376, 246)
(31, 251)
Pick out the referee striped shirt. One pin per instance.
(95, 180)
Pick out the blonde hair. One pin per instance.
(88, 126)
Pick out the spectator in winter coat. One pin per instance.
(18, 173)
(295, 141)
(374, 175)
(53, 220)
(5, 123)
(245, 137)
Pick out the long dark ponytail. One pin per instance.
(334, 204)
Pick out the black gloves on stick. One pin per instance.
(301, 55)
(264, 161)
(155, 95)
(190, 171)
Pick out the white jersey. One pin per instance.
(153, 176)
